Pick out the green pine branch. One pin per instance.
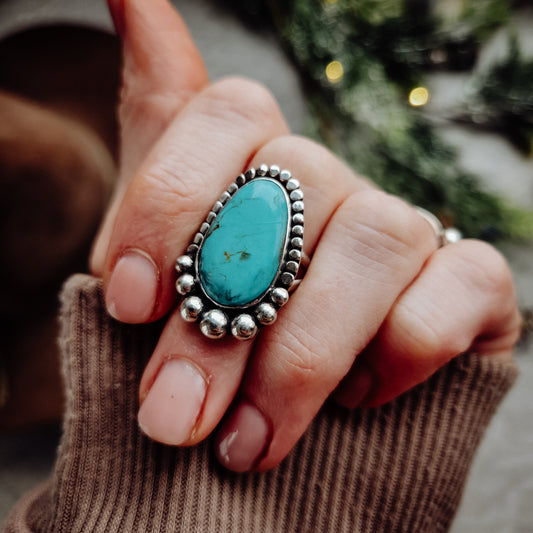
(385, 47)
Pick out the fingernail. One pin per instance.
(132, 290)
(170, 410)
(243, 439)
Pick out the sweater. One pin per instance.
(397, 468)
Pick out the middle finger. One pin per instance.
(190, 381)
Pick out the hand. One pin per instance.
(380, 309)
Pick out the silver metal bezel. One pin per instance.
(286, 277)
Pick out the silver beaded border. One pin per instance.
(243, 323)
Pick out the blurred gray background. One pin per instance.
(499, 494)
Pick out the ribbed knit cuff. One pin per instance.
(399, 468)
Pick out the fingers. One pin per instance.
(370, 256)
(463, 300)
(362, 262)
(162, 70)
(190, 381)
(375, 285)
(205, 147)
(326, 180)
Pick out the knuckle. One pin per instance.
(244, 100)
(294, 151)
(166, 184)
(137, 106)
(485, 268)
(299, 365)
(383, 227)
(314, 164)
(424, 337)
(486, 272)
(480, 295)
(388, 216)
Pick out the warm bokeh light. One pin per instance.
(334, 72)
(331, 1)
(419, 96)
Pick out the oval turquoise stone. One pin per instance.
(242, 250)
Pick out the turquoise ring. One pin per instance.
(246, 257)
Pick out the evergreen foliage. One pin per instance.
(378, 50)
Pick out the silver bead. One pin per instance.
(298, 219)
(262, 170)
(284, 175)
(297, 242)
(224, 197)
(192, 249)
(191, 308)
(266, 314)
(274, 171)
(298, 206)
(241, 180)
(298, 230)
(214, 324)
(233, 188)
(292, 184)
(203, 228)
(250, 174)
(184, 263)
(279, 296)
(451, 235)
(292, 267)
(287, 278)
(243, 327)
(185, 284)
(296, 195)
(295, 255)
(198, 238)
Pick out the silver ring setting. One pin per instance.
(246, 257)
(444, 235)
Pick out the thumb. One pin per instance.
(162, 70)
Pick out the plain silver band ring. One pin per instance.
(444, 235)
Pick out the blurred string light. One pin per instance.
(334, 72)
(419, 96)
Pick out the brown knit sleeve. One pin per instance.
(399, 468)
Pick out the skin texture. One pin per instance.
(379, 311)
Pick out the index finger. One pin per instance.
(162, 70)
